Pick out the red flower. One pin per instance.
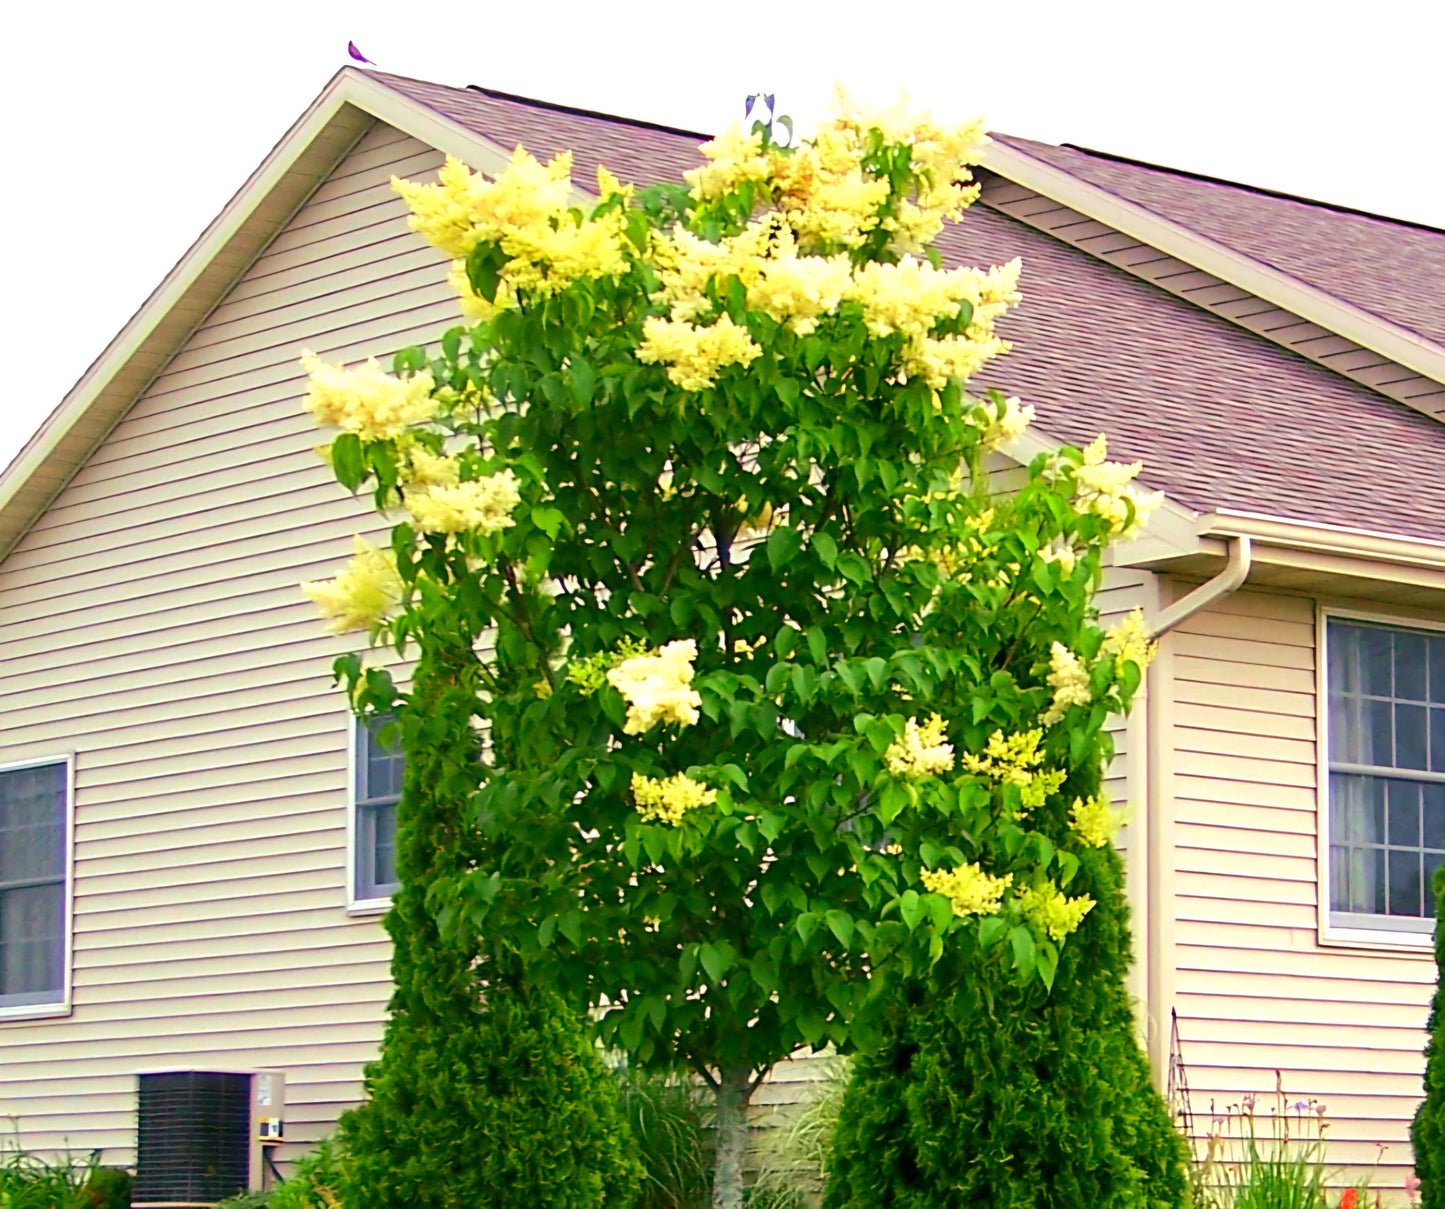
(1348, 1200)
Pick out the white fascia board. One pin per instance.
(1399, 344)
(41, 468)
(1338, 540)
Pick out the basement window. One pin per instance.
(1386, 755)
(34, 887)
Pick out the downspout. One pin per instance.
(1234, 574)
(1161, 856)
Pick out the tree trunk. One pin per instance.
(733, 1093)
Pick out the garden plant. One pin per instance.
(1428, 1132)
(746, 709)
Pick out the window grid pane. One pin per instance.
(32, 885)
(379, 772)
(1387, 830)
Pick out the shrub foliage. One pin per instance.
(987, 1093)
(488, 1091)
(1428, 1132)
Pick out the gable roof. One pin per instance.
(1221, 418)
(1392, 268)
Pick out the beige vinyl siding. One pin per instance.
(1123, 590)
(151, 624)
(1255, 990)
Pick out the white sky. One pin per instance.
(128, 126)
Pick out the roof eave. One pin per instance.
(346, 108)
(1390, 340)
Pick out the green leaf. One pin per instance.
(911, 909)
(484, 269)
(1022, 942)
(784, 545)
(347, 460)
(582, 380)
(826, 548)
(940, 911)
(1046, 961)
(817, 645)
(840, 923)
(715, 960)
(990, 931)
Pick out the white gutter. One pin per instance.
(1234, 574)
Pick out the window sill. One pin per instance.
(1376, 940)
(368, 907)
(35, 1011)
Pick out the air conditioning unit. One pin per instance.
(204, 1135)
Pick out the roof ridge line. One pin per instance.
(579, 111)
(1263, 190)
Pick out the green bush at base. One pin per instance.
(1427, 1135)
(488, 1091)
(987, 1096)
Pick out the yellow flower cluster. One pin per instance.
(1096, 822)
(668, 799)
(1014, 760)
(1061, 551)
(657, 687)
(1129, 642)
(921, 752)
(940, 157)
(589, 673)
(1005, 423)
(912, 296)
(1069, 679)
(827, 199)
(793, 289)
(695, 355)
(798, 290)
(365, 400)
(968, 888)
(525, 211)
(823, 191)
(1103, 487)
(420, 467)
(1052, 911)
(734, 158)
(363, 592)
(482, 505)
(463, 207)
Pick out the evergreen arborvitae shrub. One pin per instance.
(1428, 1133)
(986, 1095)
(488, 1091)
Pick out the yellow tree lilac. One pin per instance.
(774, 689)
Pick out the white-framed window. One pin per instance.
(35, 887)
(1384, 768)
(377, 765)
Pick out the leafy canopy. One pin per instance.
(781, 696)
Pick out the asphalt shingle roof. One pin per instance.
(1220, 417)
(1394, 269)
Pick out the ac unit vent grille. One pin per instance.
(193, 1136)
